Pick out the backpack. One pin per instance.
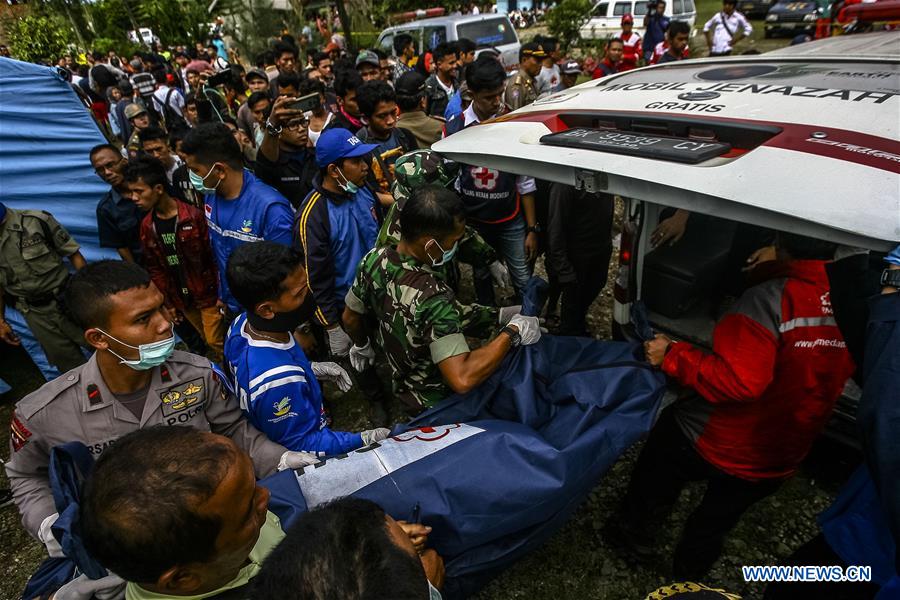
(172, 119)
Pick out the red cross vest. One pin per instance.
(490, 196)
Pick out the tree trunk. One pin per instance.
(346, 26)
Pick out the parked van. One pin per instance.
(805, 139)
(606, 16)
(487, 31)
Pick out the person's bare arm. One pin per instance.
(77, 261)
(279, 117)
(126, 254)
(465, 372)
(355, 326)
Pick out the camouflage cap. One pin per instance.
(421, 167)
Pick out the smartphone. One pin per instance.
(307, 103)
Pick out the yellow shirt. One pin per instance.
(270, 536)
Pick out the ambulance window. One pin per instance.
(601, 9)
(621, 8)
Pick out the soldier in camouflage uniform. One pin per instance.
(424, 167)
(521, 88)
(422, 327)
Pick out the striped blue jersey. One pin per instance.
(280, 395)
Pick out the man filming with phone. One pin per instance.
(286, 160)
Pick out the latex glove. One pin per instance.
(529, 328)
(83, 588)
(46, 536)
(508, 312)
(371, 436)
(500, 274)
(296, 460)
(362, 357)
(843, 252)
(331, 371)
(339, 341)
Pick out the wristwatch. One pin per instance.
(536, 228)
(272, 130)
(890, 278)
(515, 339)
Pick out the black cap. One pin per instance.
(410, 83)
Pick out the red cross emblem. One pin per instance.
(484, 178)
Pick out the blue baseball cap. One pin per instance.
(335, 144)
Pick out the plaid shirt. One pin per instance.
(195, 258)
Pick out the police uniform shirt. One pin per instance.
(79, 407)
(32, 244)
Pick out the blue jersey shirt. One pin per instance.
(278, 392)
(258, 213)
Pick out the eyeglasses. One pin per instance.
(297, 124)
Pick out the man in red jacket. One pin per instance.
(761, 397)
(175, 242)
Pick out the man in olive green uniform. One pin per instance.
(422, 327)
(521, 88)
(424, 167)
(32, 274)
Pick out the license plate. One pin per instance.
(637, 144)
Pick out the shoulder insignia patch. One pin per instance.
(93, 393)
(19, 434)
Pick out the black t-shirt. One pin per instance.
(165, 228)
(292, 175)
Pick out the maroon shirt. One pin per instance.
(195, 259)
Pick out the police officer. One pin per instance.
(134, 380)
(32, 274)
(422, 327)
(521, 89)
(139, 119)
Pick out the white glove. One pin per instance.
(362, 357)
(296, 460)
(529, 328)
(500, 274)
(339, 341)
(110, 587)
(508, 312)
(331, 371)
(371, 436)
(46, 536)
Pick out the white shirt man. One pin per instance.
(725, 29)
(175, 99)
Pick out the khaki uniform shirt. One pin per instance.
(520, 90)
(78, 407)
(32, 247)
(427, 130)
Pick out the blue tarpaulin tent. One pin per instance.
(45, 137)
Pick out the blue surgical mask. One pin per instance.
(151, 355)
(199, 182)
(446, 255)
(348, 186)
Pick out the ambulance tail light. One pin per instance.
(622, 291)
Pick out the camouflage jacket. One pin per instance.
(473, 250)
(420, 321)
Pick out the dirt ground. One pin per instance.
(577, 563)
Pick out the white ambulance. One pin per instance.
(805, 139)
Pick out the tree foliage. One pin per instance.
(36, 38)
(565, 19)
